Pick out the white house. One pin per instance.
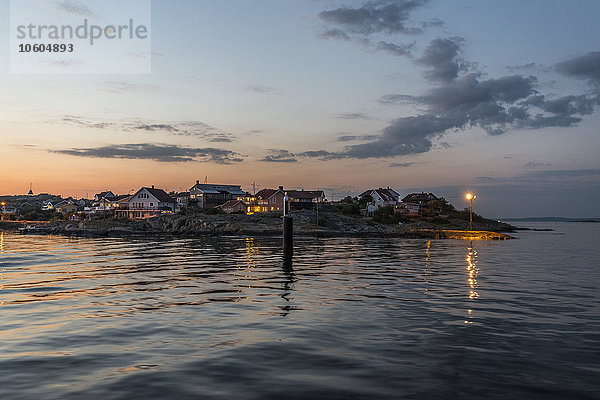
(150, 202)
(47, 205)
(381, 198)
(104, 195)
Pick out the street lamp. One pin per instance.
(470, 197)
(3, 204)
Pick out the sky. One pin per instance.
(501, 99)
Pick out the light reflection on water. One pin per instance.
(472, 270)
(347, 318)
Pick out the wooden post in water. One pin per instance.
(288, 230)
(288, 236)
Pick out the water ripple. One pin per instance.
(350, 318)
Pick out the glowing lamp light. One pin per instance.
(470, 197)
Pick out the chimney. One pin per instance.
(152, 186)
(197, 182)
(281, 188)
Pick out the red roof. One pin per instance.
(232, 204)
(266, 193)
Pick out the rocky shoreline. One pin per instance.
(330, 225)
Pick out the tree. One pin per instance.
(364, 200)
(347, 200)
(387, 215)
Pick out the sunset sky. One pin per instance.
(501, 98)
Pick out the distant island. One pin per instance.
(210, 209)
(331, 223)
(552, 219)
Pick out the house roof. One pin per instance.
(209, 188)
(266, 193)
(65, 202)
(159, 194)
(297, 194)
(386, 194)
(232, 203)
(419, 197)
(305, 194)
(108, 194)
(122, 197)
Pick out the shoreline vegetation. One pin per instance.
(330, 224)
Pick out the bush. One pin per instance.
(57, 217)
(31, 216)
(464, 215)
(362, 203)
(350, 209)
(386, 215)
(440, 220)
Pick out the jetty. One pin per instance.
(456, 234)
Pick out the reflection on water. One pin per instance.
(346, 318)
(472, 270)
(427, 264)
(245, 269)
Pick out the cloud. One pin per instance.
(462, 102)
(410, 135)
(280, 156)
(402, 165)
(157, 127)
(465, 102)
(562, 173)
(156, 152)
(350, 138)
(74, 7)
(530, 67)
(65, 63)
(178, 128)
(84, 122)
(334, 34)
(398, 99)
(584, 67)
(375, 17)
(352, 116)
(545, 176)
(443, 58)
(321, 154)
(125, 87)
(384, 17)
(260, 89)
(536, 165)
(396, 49)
